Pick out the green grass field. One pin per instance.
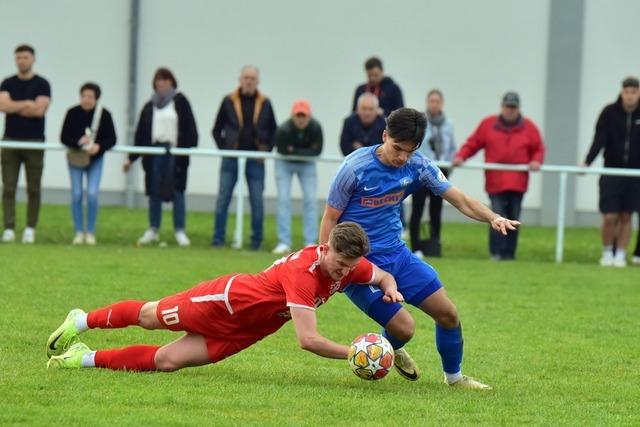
(560, 344)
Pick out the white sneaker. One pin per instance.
(148, 237)
(8, 236)
(607, 259)
(182, 239)
(619, 262)
(419, 254)
(635, 260)
(90, 239)
(280, 249)
(78, 239)
(29, 235)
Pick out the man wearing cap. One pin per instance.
(300, 135)
(618, 133)
(508, 138)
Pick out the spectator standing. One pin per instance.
(24, 98)
(383, 87)
(165, 121)
(245, 121)
(439, 144)
(618, 133)
(88, 131)
(364, 127)
(300, 135)
(508, 138)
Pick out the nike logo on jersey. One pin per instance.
(370, 188)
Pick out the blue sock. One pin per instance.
(450, 343)
(395, 342)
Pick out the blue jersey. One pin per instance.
(369, 192)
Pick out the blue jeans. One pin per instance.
(94, 173)
(155, 211)
(162, 165)
(507, 204)
(254, 174)
(285, 170)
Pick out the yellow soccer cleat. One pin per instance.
(468, 383)
(405, 365)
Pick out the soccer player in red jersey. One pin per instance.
(226, 315)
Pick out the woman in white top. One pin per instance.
(165, 121)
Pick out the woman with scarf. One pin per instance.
(439, 144)
(165, 121)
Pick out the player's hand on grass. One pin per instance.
(392, 296)
(503, 225)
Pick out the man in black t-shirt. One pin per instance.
(24, 98)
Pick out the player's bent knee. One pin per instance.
(402, 326)
(147, 318)
(165, 363)
(448, 318)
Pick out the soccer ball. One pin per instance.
(371, 356)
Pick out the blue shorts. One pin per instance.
(416, 281)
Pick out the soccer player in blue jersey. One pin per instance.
(368, 189)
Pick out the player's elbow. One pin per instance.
(309, 343)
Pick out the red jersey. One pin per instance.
(244, 306)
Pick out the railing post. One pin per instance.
(237, 238)
(562, 200)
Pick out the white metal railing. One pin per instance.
(242, 156)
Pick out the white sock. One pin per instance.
(452, 378)
(81, 323)
(621, 253)
(89, 360)
(607, 250)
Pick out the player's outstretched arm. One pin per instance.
(474, 209)
(387, 284)
(305, 323)
(330, 218)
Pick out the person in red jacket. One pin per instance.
(508, 138)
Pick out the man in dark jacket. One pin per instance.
(508, 138)
(364, 127)
(245, 121)
(618, 133)
(301, 135)
(387, 91)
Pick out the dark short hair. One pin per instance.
(630, 82)
(407, 125)
(373, 62)
(93, 87)
(25, 48)
(349, 240)
(435, 92)
(164, 73)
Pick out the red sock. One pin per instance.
(134, 358)
(118, 315)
